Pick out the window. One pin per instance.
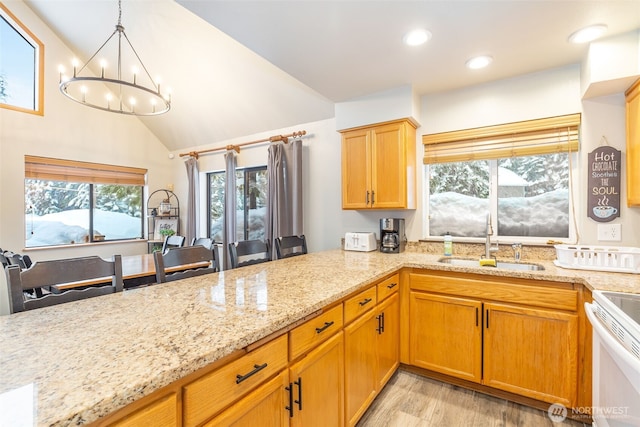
(251, 209)
(519, 174)
(21, 66)
(68, 202)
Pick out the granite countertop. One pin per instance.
(73, 363)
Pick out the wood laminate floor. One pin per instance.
(410, 400)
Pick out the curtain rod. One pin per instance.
(236, 147)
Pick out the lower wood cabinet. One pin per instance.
(371, 356)
(317, 382)
(213, 392)
(388, 340)
(531, 352)
(446, 335)
(163, 412)
(513, 335)
(512, 345)
(265, 407)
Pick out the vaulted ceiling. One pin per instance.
(241, 67)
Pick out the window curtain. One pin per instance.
(192, 199)
(284, 198)
(230, 219)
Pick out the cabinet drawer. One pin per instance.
(309, 334)
(388, 287)
(355, 306)
(162, 412)
(514, 290)
(206, 396)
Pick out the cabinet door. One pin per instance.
(389, 179)
(531, 352)
(360, 341)
(445, 335)
(633, 145)
(318, 386)
(265, 407)
(388, 339)
(356, 169)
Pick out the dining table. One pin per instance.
(137, 270)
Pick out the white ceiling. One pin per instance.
(299, 57)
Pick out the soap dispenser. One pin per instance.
(448, 244)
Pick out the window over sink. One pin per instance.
(519, 174)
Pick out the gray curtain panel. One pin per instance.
(284, 198)
(192, 199)
(229, 234)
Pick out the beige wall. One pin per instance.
(69, 131)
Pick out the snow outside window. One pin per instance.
(251, 184)
(66, 213)
(526, 196)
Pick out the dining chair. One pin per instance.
(103, 277)
(288, 246)
(248, 252)
(196, 260)
(174, 241)
(203, 241)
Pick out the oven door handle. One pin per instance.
(612, 343)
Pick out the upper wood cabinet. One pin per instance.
(633, 144)
(379, 166)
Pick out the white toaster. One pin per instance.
(360, 241)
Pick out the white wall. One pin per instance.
(68, 131)
(321, 177)
(545, 94)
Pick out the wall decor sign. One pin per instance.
(165, 224)
(603, 201)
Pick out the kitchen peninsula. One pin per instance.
(74, 363)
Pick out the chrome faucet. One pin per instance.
(488, 247)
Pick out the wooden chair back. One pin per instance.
(203, 241)
(174, 241)
(187, 256)
(103, 277)
(288, 246)
(249, 252)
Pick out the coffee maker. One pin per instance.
(392, 237)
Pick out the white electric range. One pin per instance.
(615, 318)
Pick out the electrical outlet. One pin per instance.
(609, 232)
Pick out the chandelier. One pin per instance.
(132, 92)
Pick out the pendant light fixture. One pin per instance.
(108, 87)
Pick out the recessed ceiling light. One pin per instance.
(416, 37)
(479, 62)
(588, 34)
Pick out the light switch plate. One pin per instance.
(609, 232)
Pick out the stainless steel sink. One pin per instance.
(465, 262)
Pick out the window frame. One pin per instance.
(30, 38)
(71, 171)
(245, 213)
(493, 143)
